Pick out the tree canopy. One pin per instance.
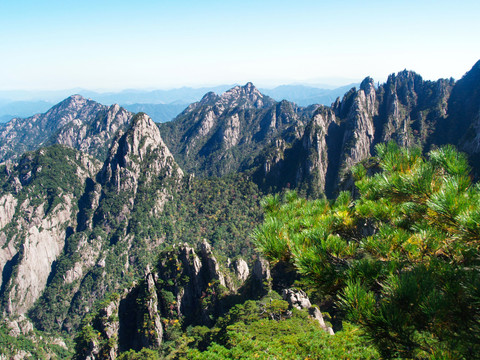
(401, 260)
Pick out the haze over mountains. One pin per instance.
(91, 193)
(161, 105)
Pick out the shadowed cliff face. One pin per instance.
(405, 109)
(461, 127)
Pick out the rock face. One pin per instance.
(137, 156)
(66, 218)
(261, 278)
(241, 270)
(76, 122)
(190, 284)
(405, 109)
(184, 290)
(461, 126)
(34, 230)
(298, 299)
(222, 134)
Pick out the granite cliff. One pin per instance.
(222, 134)
(66, 218)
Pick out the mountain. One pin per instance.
(405, 109)
(161, 105)
(108, 237)
(307, 148)
(74, 229)
(306, 95)
(14, 109)
(67, 222)
(222, 134)
(77, 122)
(159, 113)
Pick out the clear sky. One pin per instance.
(105, 44)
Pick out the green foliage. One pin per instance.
(38, 344)
(144, 354)
(265, 330)
(402, 260)
(223, 210)
(51, 173)
(314, 235)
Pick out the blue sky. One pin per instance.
(112, 45)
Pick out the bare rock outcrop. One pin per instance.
(261, 277)
(213, 267)
(193, 282)
(298, 299)
(34, 235)
(241, 269)
(127, 158)
(8, 204)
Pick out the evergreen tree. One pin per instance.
(402, 260)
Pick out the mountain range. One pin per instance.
(161, 105)
(109, 217)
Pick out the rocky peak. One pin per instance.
(368, 85)
(406, 85)
(145, 137)
(140, 150)
(75, 106)
(209, 98)
(247, 96)
(297, 298)
(211, 262)
(72, 101)
(76, 122)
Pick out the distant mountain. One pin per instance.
(306, 95)
(161, 105)
(184, 95)
(159, 113)
(14, 109)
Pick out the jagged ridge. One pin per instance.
(76, 122)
